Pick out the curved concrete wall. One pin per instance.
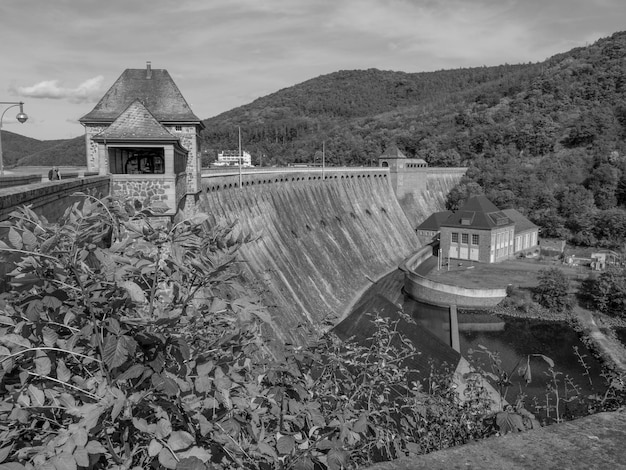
(320, 240)
(436, 293)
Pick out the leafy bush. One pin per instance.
(126, 344)
(552, 291)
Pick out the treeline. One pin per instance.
(545, 138)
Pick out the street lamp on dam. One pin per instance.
(21, 117)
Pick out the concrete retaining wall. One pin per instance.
(428, 291)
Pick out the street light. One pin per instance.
(21, 116)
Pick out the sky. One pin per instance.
(61, 56)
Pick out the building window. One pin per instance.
(465, 238)
(132, 161)
(474, 239)
(455, 237)
(178, 128)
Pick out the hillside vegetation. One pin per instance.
(18, 150)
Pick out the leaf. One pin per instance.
(94, 447)
(15, 239)
(167, 459)
(285, 444)
(4, 452)
(64, 461)
(37, 397)
(12, 340)
(337, 459)
(49, 336)
(12, 466)
(132, 372)
(205, 369)
(29, 239)
(43, 366)
(267, 449)
(135, 292)
(203, 384)
(81, 456)
(115, 351)
(180, 440)
(165, 384)
(63, 373)
(195, 452)
(51, 301)
(154, 448)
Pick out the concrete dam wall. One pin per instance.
(322, 240)
(424, 191)
(319, 239)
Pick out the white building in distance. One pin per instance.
(231, 158)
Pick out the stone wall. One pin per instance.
(146, 187)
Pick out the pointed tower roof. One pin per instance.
(136, 123)
(392, 151)
(480, 213)
(154, 88)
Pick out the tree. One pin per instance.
(608, 291)
(552, 291)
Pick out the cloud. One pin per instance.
(88, 91)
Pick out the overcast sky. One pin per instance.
(61, 56)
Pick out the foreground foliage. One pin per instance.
(126, 344)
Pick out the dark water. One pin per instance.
(515, 342)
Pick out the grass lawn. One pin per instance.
(520, 273)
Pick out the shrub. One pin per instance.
(126, 345)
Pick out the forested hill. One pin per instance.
(18, 150)
(356, 112)
(546, 138)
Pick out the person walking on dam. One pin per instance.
(54, 174)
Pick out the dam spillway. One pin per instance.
(320, 238)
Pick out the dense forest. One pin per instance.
(546, 138)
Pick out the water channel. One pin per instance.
(516, 342)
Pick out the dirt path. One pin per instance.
(612, 350)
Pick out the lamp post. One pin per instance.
(21, 117)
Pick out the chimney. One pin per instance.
(148, 70)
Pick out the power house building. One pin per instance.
(481, 232)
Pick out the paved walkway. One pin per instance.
(593, 442)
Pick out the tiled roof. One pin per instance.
(480, 213)
(393, 152)
(153, 87)
(522, 224)
(434, 221)
(136, 123)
